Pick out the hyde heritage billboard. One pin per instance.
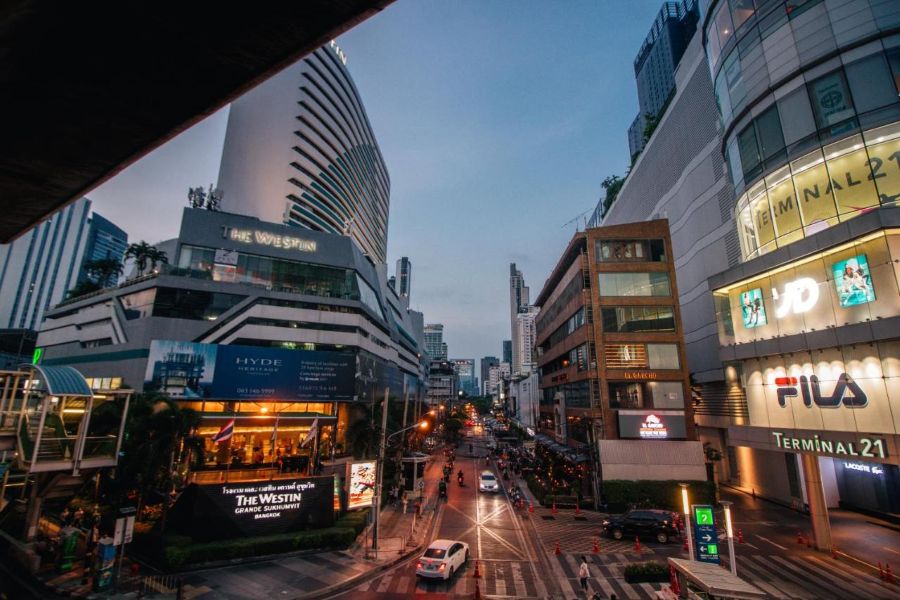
(194, 370)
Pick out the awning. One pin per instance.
(62, 381)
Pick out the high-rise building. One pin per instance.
(299, 149)
(486, 363)
(465, 372)
(518, 300)
(525, 337)
(104, 240)
(434, 342)
(507, 351)
(38, 268)
(404, 276)
(655, 63)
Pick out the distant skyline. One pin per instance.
(497, 120)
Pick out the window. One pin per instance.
(635, 284)
(796, 116)
(663, 356)
(626, 395)
(724, 27)
(630, 250)
(138, 305)
(369, 297)
(893, 57)
(733, 77)
(637, 318)
(831, 99)
(768, 129)
(665, 394)
(749, 152)
(741, 10)
(625, 356)
(871, 83)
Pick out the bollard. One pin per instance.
(799, 537)
(531, 507)
(578, 509)
(557, 551)
(740, 536)
(637, 545)
(477, 573)
(477, 591)
(596, 548)
(554, 508)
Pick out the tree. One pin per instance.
(651, 122)
(82, 288)
(143, 253)
(209, 199)
(612, 184)
(104, 271)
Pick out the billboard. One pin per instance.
(753, 310)
(853, 281)
(361, 482)
(652, 424)
(249, 508)
(194, 370)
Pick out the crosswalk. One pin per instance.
(607, 577)
(576, 533)
(499, 579)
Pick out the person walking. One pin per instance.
(583, 573)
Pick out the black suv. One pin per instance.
(643, 522)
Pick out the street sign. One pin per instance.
(706, 539)
(120, 531)
(129, 529)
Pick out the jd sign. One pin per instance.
(798, 297)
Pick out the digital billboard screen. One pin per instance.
(362, 484)
(652, 424)
(753, 310)
(194, 370)
(853, 281)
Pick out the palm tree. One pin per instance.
(103, 270)
(157, 257)
(140, 252)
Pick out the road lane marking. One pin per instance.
(890, 550)
(770, 541)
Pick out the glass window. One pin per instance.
(831, 100)
(666, 394)
(626, 394)
(192, 304)
(796, 116)
(768, 128)
(369, 297)
(625, 356)
(749, 151)
(733, 77)
(630, 250)
(871, 83)
(784, 206)
(663, 356)
(741, 10)
(893, 57)
(712, 46)
(637, 318)
(724, 27)
(138, 305)
(814, 195)
(851, 176)
(635, 284)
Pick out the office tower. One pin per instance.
(404, 276)
(507, 351)
(518, 300)
(299, 150)
(105, 240)
(434, 342)
(465, 372)
(486, 363)
(654, 66)
(525, 337)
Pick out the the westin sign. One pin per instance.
(265, 238)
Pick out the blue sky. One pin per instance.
(497, 120)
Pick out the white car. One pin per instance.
(442, 559)
(487, 482)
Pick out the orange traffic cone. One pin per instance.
(740, 536)
(531, 507)
(596, 548)
(637, 545)
(799, 537)
(577, 509)
(477, 591)
(554, 508)
(477, 573)
(557, 551)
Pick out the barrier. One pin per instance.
(637, 544)
(596, 548)
(554, 508)
(740, 536)
(477, 573)
(531, 507)
(557, 551)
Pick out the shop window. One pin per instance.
(626, 394)
(814, 194)
(665, 394)
(851, 175)
(635, 284)
(884, 158)
(637, 318)
(663, 356)
(762, 221)
(871, 83)
(797, 120)
(786, 212)
(741, 10)
(625, 356)
(831, 101)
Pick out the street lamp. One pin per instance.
(686, 506)
(423, 425)
(730, 533)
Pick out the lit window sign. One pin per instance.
(362, 484)
(753, 310)
(864, 468)
(265, 238)
(846, 392)
(798, 297)
(653, 428)
(853, 281)
(864, 446)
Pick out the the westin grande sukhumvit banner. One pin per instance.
(193, 370)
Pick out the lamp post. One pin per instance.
(376, 501)
(730, 533)
(686, 506)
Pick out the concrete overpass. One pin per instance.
(87, 88)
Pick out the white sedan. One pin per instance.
(442, 559)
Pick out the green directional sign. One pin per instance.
(703, 515)
(36, 357)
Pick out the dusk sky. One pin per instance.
(497, 120)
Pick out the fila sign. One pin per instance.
(846, 392)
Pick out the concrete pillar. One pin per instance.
(818, 508)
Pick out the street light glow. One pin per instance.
(727, 506)
(423, 425)
(684, 499)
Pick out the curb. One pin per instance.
(354, 581)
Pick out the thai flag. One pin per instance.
(225, 433)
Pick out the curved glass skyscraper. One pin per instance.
(299, 149)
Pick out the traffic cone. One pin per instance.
(477, 591)
(637, 545)
(554, 508)
(531, 507)
(596, 548)
(684, 546)
(740, 536)
(880, 571)
(808, 542)
(477, 573)
(888, 576)
(799, 537)
(577, 509)
(557, 551)
(833, 552)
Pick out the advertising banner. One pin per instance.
(652, 424)
(753, 310)
(361, 482)
(853, 281)
(193, 370)
(250, 508)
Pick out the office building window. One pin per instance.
(741, 10)
(630, 250)
(723, 24)
(831, 100)
(625, 356)
(637, 318)
(663, 356)
(871, 83)
(139, 304)
(654, 283)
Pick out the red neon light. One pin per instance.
(785, 381)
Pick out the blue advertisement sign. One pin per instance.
(853, 281)
(194, 370)
(753, 309)
(706, 538)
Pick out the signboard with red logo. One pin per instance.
(652, 424)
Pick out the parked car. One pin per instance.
(647, 523)
(487, 482)
(442, 559)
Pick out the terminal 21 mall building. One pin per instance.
(811, 332)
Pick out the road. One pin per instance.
(507, 559)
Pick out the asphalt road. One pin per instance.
(507, 559)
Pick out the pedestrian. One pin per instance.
(583, 573)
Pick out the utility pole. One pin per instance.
(376, 501)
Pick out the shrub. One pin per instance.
(620, 494)
(649, 572)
